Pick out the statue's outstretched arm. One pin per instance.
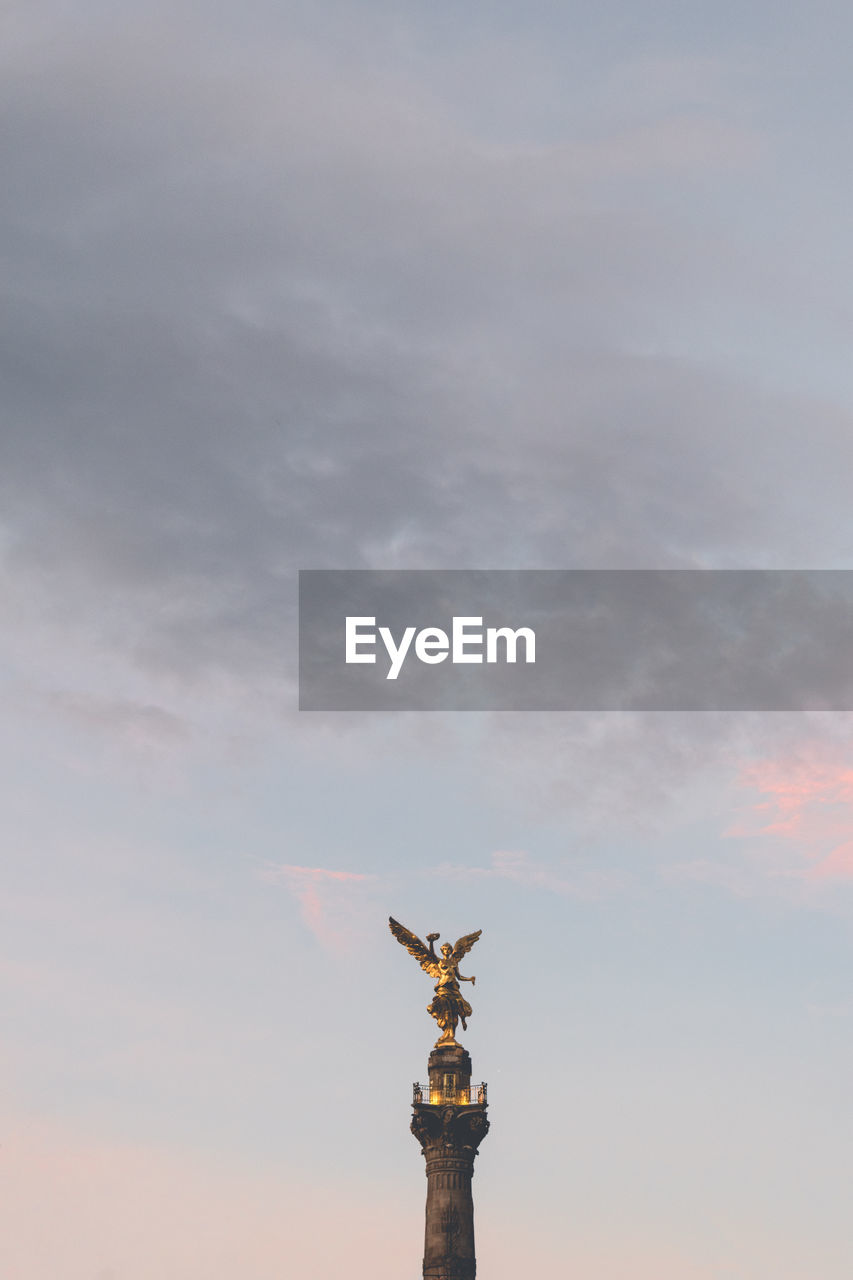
(464, 979)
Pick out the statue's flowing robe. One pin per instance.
(449, 1004)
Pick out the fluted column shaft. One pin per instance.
(449, 1128)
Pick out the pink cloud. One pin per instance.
(803, 811)
(837, 865)
(326, 902)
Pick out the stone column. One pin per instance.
(450, 1127)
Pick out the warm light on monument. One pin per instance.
(452, 1124)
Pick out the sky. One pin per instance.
(400, 287)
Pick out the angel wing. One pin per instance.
(413, 944)
(464, 945)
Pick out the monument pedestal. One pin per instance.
(449, 1122)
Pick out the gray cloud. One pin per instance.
(273, 306)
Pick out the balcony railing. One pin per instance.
(437, 1096)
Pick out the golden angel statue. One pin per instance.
(449, 1006)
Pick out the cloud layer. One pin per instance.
(280, 305)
